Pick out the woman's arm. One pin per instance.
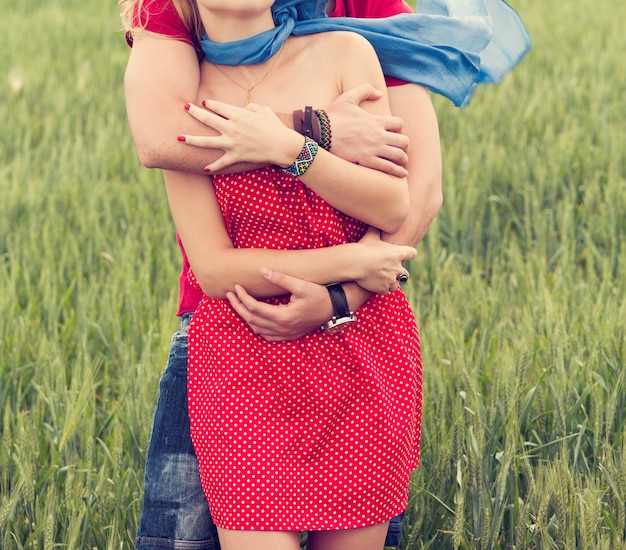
(372, 196)
(346, 184)
(218, 266)
(287, 321)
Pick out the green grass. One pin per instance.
(519, 289)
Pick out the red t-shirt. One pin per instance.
(372, 9)
(161, 17)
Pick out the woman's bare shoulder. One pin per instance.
(338, 49)
(338, 41)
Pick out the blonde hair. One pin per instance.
(187, 10)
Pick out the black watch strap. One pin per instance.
(342, 317)
(339, 300)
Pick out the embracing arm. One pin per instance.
(218, 266)
(379, 199)
(413, 104)
(309, 305)
(373, 196)
(161, 76)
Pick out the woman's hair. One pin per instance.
(187, 9)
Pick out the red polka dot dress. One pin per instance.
(319, 433)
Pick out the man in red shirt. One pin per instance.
(162, 76)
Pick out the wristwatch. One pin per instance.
(342, 315)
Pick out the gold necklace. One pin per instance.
(248, 90)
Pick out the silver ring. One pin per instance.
(403, 277)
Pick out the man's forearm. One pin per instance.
(413, 104)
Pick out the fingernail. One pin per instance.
(187, 106)
(182, 138)
(203, 103)
(207, 170)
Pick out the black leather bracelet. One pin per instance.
(342, 315)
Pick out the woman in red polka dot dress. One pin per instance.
(318, 434)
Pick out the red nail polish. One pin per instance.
(187, 106)
(203, 103)
(182, 138)
(207, 170)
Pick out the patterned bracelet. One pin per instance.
(304, 159)
(326, 135)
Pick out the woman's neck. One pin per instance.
(232, 24)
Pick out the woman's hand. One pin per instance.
(382, 263)
(244, 135)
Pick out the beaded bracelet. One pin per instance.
(326, 135)
(304, 159)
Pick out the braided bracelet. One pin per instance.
(326, 135)
(304, 159)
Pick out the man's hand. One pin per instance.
(381, 262)
(371, 140)
(307, 310)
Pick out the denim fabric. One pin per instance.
(394, 532)
(175, 512)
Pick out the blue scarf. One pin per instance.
(449, 46)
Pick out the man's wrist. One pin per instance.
(356, 295)
(342, 315)
(286, 119)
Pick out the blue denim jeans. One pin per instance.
(175, 512)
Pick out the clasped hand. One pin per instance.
(382, 263)
(309, 305)
(244, 134)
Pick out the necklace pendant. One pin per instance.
(249, 90)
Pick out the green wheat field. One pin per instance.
(519, 290)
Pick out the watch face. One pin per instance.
(335, 326)
(336, 329)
